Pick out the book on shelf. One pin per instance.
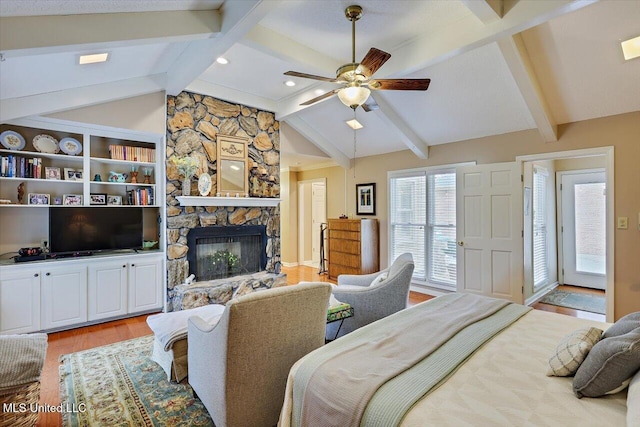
(136, 154)
(20, 167)
(141, 197)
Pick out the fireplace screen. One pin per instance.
(220, 252)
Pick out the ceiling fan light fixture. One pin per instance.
(631, 48)
(354, 96)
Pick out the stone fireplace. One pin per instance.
(193, 123)
(218, 252)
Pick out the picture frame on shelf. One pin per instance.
(366, 199)
(52, 173)
(38, 199)
(57, 200)
(114, 200)
(72, 174)
(97, 199)
(72, 199)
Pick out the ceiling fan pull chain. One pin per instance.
(354, 144)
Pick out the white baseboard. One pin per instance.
(310, 264)
(289, 264)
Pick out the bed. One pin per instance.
(500, 381)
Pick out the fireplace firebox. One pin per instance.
(217, 252)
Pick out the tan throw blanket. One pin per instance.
(336, 384)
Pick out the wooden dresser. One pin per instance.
(353, 246)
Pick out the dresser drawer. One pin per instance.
(346, 246)
(344, 235)
(346, 225)
(347, 260)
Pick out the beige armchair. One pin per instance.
(239, 366)
(371, 300)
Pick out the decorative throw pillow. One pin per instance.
(610, 363)
(624, 325)
(381, 278)
(571, 351)
(633, 402)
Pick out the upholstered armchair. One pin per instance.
(239, 366)
(373, 296)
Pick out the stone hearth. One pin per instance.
(221, 291)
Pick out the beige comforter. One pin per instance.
(504, 384)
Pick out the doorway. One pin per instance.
(583, 226)
(576, 162)
(312, 212)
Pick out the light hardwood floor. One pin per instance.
(108, 333)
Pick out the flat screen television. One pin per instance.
(93, 229)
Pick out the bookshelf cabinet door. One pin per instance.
(145, 285)
(107, 294)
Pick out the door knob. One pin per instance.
(460, 243)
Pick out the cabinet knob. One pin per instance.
(48, 274)
(36, 275)
(133, 265)
(124, 266)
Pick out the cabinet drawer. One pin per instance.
(346, 260)
(336, 270)
(344, 225)
(345, 235)
(346, 246)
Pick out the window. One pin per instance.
(540, 266)
(423, 222)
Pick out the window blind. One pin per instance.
(423, 222)
(540, 265)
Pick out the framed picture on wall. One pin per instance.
(366, 199)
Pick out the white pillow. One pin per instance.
(633, 402)
(378, 280)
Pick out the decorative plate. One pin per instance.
(204, 184)
(12, 140)
(70, 146)
(46, 144)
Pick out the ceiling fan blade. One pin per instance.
(399, 84)
(309, 76)
(321, 97)
(372, 61)
(370, 105)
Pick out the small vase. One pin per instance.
(186, 187)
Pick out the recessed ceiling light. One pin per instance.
(93, 58)
(354, 124)
(290, 83)
(221, 60)
(631, 48)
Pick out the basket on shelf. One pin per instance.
(27, 395)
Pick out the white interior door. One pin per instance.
(318, 216)
(489, 230)
(584, 229)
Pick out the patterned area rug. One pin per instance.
(120, 385)
(575, 300)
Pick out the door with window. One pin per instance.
(423, 222)
(583, 198)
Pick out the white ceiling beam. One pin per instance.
(468, 34)
(238, 18)
(33, 35)
(393, 121)
(289, 50)
(304, 129)
(487, 11)
(231, 95)
(519, 63)
(46, 103)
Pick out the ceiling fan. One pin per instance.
(355, 78)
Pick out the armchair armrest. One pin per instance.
(358, 280)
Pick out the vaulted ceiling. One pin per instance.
(496, 66)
